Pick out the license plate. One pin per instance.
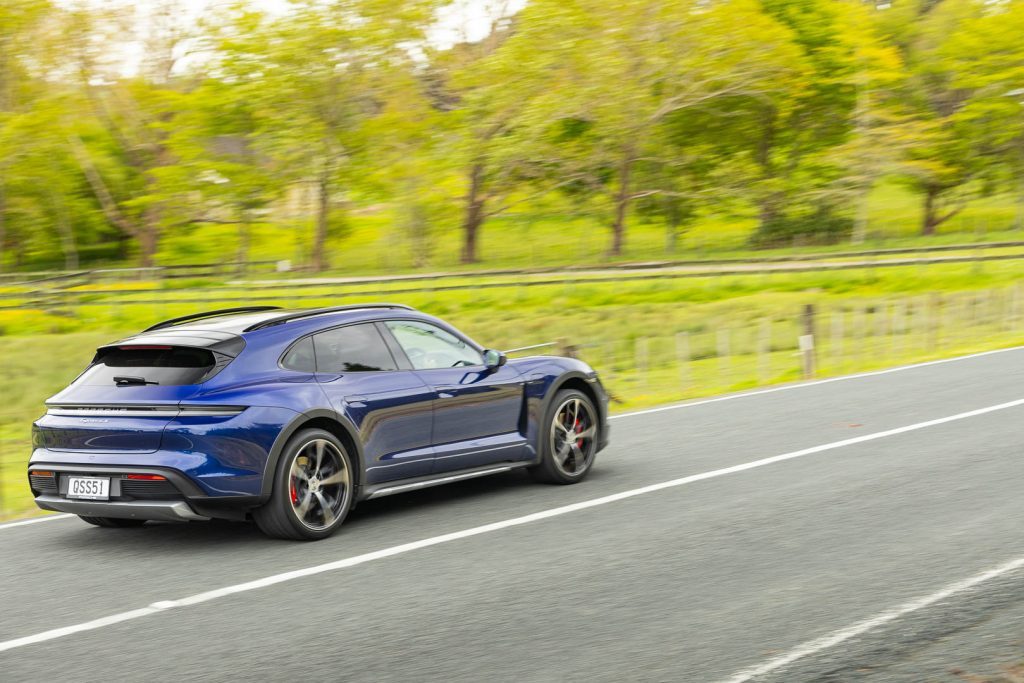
(94, 488)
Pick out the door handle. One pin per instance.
(355, 400)
(446, 391)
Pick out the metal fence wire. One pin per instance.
(707, 358)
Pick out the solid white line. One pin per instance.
(814, 646)
(34, 520)
(801, 385)
(484, 529)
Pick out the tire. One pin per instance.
(112, 522)
(313, 489)
(567, 460)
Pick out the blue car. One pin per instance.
(290, 418)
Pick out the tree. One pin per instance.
(216, 143)
(480, 99)
(323, 71)
(621, 70)
(941, 159)
(19, 24)
(124, 156)
(986, 59)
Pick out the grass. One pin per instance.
(741, 331)
(551, 232)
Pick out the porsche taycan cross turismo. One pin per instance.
(292, 417)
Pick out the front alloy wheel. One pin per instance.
(570, 439)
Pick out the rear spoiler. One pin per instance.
(224, 343)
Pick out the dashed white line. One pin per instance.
(478, 530)
(832, 639)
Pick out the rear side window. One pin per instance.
(163, 365)
(300, 357)
(355, 348)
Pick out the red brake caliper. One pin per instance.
(295, 494)
(575, 427)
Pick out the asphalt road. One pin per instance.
(855, 557)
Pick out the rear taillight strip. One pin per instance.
(143, 411)
(70, 410)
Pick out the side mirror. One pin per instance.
(494, 359)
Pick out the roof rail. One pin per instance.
(270, 322)
(209, 314)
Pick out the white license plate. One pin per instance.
(94, 488)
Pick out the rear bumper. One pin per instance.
(176, 499)
(157, 510)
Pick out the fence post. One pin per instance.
(882, 327)
(683, 357)
(724, 365)
(806, 342)
(568, 350)
(862, 330)
(837, 335)
(1015, 307)
(896, 340)
(641, 362)
(764, 350)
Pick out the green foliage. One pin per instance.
(247, 134)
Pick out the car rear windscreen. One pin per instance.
(162, 365)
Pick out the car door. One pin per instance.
(390, 406)
(476, 409)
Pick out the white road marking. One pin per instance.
(478, 530)
(813, 383)
(34, 520)
(832, 639)
(717, 399)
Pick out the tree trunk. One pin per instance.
(622, 200)
(3, 224)
(148, 236)
(1019, 222)
(672, 221)
(322, 218)
(860, 226)
(767, 215)
(931, 219)
(474, 217)
(244, 240)
(65, 232)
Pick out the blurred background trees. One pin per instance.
(128, 127)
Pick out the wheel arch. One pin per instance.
(329, 421)
(572, 379)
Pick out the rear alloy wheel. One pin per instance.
(312, 489)
(569, 439)
(112, 522)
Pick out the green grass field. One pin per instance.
(741, 331)
(547, 232)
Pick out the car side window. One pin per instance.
(300, 357)
(354, 348)
(429, 347)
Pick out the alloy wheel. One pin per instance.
(319, 484)
(573, 433)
